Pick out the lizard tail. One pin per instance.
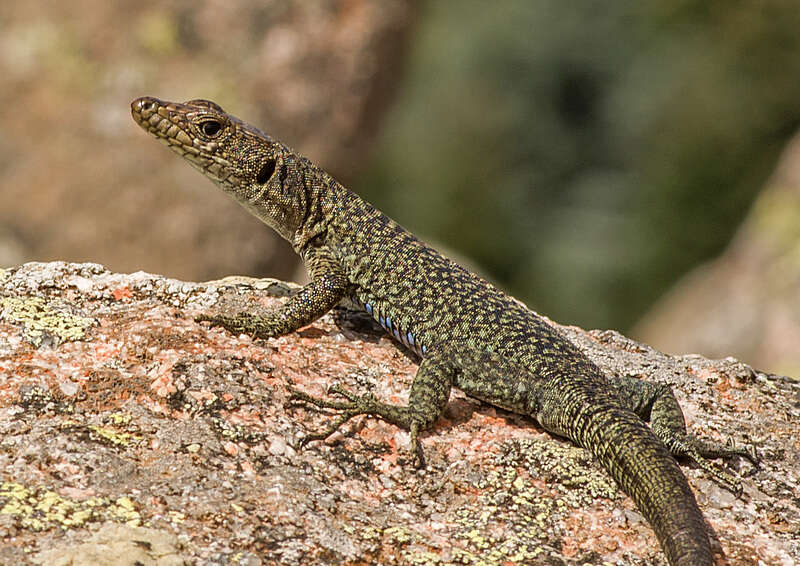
(643, 467)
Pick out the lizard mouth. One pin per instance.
(167, 122)
(164, 120)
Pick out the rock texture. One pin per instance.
(131, 434)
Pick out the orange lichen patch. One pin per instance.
(231, 448)
(162, 385)
(723, 386)
(122, 293)
(245, 416)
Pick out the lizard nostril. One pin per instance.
(143, 105)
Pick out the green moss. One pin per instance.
(112, 436)
(526, 515)
(423, 558)
(39, 509)
(108, 435)
(41, 319)
(569, 470)
(124, 510)
(513, 521)
(371, 533)
(399, 535)
(118, 419)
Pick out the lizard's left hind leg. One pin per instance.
(656, 403)
(428, 397)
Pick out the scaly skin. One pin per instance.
(468, 333)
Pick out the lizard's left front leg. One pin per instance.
(312, 301)
(428, 397)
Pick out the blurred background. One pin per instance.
(627, 165)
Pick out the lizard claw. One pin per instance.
(754, 458)
(354, 406)
(349, 410)
(339, 390)
(416, 447)
(748, 452)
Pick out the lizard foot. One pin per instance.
(353, 407)
(262, 326)
(356, 405)
(700, 451)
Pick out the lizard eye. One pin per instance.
(266, 171)
(211, 128)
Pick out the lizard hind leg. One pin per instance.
(656, 403)
(428, 397)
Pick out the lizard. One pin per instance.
(466, 332)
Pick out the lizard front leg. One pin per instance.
(428, 397)
(311, 302)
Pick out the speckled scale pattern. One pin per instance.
(467, 332)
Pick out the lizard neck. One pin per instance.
(324, 200)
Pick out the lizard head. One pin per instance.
(264, 175)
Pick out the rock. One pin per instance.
(185, 430)
(117, 545)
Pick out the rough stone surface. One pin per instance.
(127, 430)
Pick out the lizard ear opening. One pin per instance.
(266, 171)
